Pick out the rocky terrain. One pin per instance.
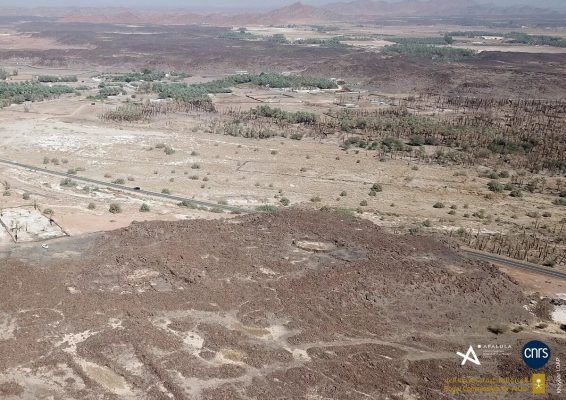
(291, 305)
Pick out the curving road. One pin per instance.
(125, 188)
(508, 262)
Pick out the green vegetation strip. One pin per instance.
(18, 93)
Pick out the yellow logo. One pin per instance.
(538, 383)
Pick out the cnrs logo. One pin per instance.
(536, 354)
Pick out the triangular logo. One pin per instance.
(469, 356)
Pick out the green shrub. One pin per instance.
(495, 186)
(91, 206)
(285, 201)
(438, 204)
(68, 182)
(26, 196)
(115, 208)
(144, 208)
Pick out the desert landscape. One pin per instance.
(308, 202)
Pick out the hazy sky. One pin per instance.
(198, 4)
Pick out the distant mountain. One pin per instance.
(367, 9)
(298, 13)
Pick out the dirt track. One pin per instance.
(290, 305)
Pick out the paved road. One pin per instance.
(125, 188)
(494, 258)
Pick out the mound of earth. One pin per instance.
(290, 305)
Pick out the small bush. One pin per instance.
(285, 201)
(118, 181)
(427, 223)
(48, 211)
(195, 166)
(115, 208)
(91, 206)
(363, 203)
(315, 199)
(495, 186)
(68, 182)
(376, 187)
(165, 191)
(343, 193)
(144, 208)
(516, 193)
(26, 196)
(186, 203)
(438, 204)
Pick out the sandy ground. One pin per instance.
(233, 170)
